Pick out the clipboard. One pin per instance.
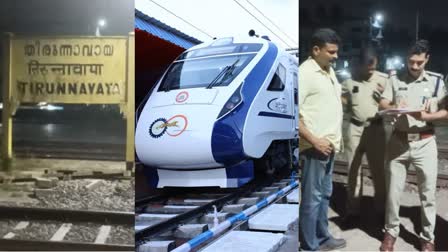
(398, 111)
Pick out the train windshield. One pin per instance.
(205, 71)
(219, 49)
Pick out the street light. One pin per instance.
(100, 24)
(394, 63)
(379, 17)
(376, 22)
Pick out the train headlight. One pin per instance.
(232, 103)
(230, 106)
(235, 99)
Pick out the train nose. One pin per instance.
(179, 140)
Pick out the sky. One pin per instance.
(397, 13)
(66, 17)
(222, 18)
(399, 23)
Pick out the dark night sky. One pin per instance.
(66, 17)
(399, 22)
(398, 13)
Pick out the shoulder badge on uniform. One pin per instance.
(433, 74)
(437, 77)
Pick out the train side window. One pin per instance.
(278, 81)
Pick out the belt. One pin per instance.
(315, 154)
(357, 123)
(361, 124)
(412, 137)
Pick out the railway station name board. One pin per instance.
(69, 69)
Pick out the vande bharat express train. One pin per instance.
(224, 111)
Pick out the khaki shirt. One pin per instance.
(359, 95)
(320, 105)
(414, 93)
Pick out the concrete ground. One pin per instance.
(367, 235)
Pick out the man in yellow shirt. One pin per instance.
(320, 130)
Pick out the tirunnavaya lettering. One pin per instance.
(35, 67)
(38, 49)
(68, 88)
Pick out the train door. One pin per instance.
(281, 100)
(289, 92)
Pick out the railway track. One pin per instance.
(200, 204)
(168, 216)
(65, 220)
(64, 150)
(60, 176)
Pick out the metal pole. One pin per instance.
(416, 26)
(7, 97)
(130, 117)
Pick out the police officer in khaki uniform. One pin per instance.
(412, 142)
(365, 132)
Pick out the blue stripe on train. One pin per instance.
(227, 135)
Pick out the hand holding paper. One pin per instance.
(399, 111)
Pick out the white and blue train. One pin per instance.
(223, 111)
